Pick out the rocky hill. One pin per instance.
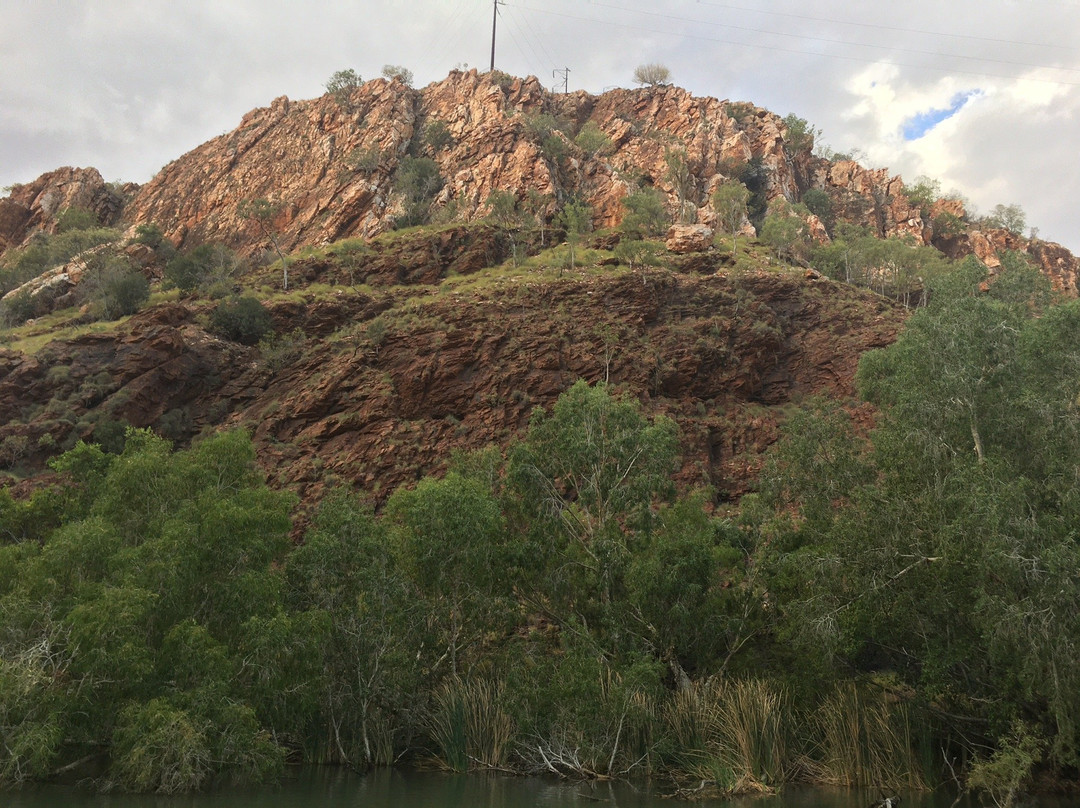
(391, 356)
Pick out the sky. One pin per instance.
(981, 95)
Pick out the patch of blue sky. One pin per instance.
(918, 125)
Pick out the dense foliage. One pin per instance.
(890, 608)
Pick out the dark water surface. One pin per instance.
(336, 788)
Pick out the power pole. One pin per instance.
(565, 74)
(494, 23)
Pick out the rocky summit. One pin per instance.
(395, 347)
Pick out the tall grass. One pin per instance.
(736, 734)
(470, 726)
(866, 739)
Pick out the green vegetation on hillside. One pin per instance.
(559, 608)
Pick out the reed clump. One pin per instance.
(736, 735)
(469, 725)
(865, 739)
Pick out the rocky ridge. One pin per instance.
(330, 166)
(374, 388)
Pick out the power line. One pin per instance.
(539, 39)
(779, 49)
(532, 66)
(881, 27)
(565, 73)
(827, 41)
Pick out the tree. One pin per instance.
(591, 470)
(636, 252)
(344, 577)
(503, 210)
(341, 86)
(799, 134)
(730, 200)
(121, 636)
(652, 75)
(681, 178)
(398, 73)
(418, 180)
(576, 220)
(645, 214)
(946, 559)
(537, 205)
(263, 213)
(923, 193)
(819, 203)
(784, 231)
(449, 536)
(1007, 217)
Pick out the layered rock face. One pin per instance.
(330, 166)
(722, 355)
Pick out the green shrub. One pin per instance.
(593, 141)
(646, 214)
(76, 219)
(113, 287)
(203, 267)
(437, 136)
(123, 291)
(241, 319)
(418, 180)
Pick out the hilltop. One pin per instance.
(722, 341)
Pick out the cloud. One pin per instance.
(919, 124)
(129, 85)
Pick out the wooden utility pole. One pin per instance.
(494, 22)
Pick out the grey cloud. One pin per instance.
(127, 86)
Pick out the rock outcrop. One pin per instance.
(34, 206)
(377, 407)
(331, 166)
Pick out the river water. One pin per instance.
(398, 788)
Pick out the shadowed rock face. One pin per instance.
(721, 354)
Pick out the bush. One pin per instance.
(203, 267)
(123, 291)
(241, 319)
(593, 141)
(113, 287)
(398, 73)
(20, 308)
(652, 75)
(819, 203)
(418, 180)
(437, 136)
(71, 219)
(152, 236)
